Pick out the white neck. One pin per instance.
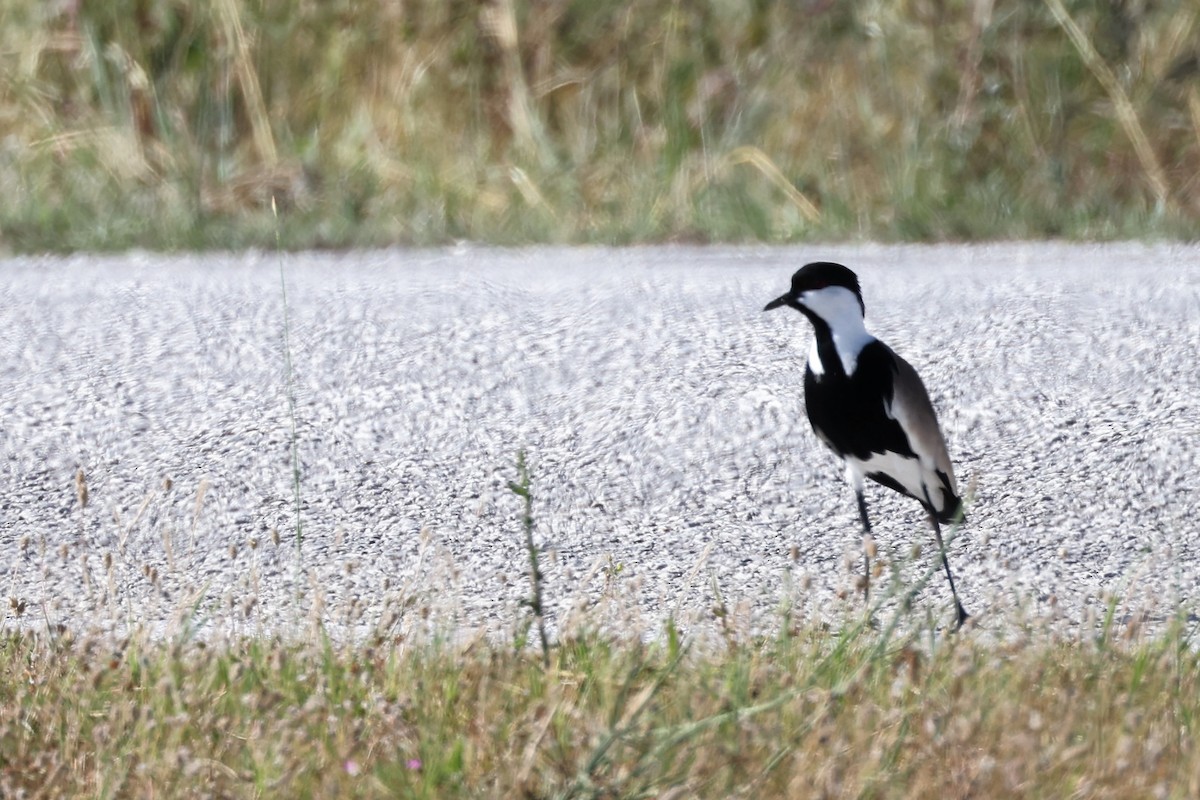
(840, 310)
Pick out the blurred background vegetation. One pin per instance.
(172, 124)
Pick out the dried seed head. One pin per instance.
(167, 484)
(912, 659)
(81, 489)
(275, 536)
(108, 560)
(794, 552)
(1133, 627)
(915, 551)
(869, 546)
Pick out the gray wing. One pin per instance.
(912, 408)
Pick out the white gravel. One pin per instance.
(661, 411)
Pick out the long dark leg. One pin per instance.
(862, 512)
(958, 607)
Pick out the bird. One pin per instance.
(869, 406)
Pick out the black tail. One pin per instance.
(953, 513)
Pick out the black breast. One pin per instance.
(848, 411)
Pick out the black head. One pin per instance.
(814, 276)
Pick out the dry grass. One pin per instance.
(809, 714)
(174, 125)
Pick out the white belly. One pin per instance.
(904, 470)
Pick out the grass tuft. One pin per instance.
(808, 713)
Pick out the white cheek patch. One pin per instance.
(848, 355)
(839, 307)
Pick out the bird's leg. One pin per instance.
(958, 607)
(862, 512)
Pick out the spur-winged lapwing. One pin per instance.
(868, 405)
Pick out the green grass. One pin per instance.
(172, 125)
(808, 713)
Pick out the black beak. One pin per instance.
(782, 300)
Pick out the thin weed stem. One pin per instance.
(291, 391)
(520, 487)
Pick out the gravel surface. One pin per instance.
(661, 411)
